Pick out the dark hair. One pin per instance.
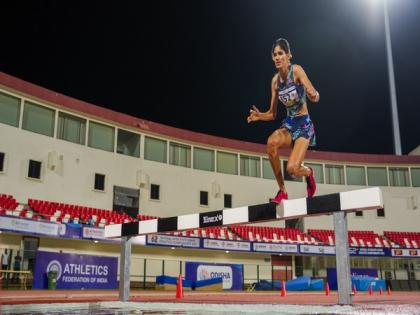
(283, 44)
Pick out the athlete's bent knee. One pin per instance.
(292, 168)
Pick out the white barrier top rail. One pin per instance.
(355, 200)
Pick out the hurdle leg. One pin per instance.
(342, 258)
(125, 263)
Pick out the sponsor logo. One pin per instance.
(181, 241)
(213, 218)
(398, 252)
(353, 251)
(55, 265)
(205, 272)
(406, 252)
(93, 232)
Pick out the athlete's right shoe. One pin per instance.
(281, 195)
(310, 183)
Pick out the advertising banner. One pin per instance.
(170, 240)
(403, 252)
(355, 272)
(226, 245)
(70, 230)
(275, 248)
(353, 251)
(29, 226)
(369, 251)
(231, 273)
(92, 232)
(75, 271)
(211, 218)
(317, 250)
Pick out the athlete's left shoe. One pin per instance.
(281, 195)
(310, 183)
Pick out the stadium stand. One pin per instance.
(273, 234)
(69, 213)
(356, 238)
(404, 239)
(7, 202)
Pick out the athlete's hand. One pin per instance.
(254, 114)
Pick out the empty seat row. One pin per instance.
(272, 234)
(142, 217)
(404, 239)
(355, 238)
(70, 213)
(8, 202)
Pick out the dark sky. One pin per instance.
(201, 64)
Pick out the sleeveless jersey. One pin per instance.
(292, 95)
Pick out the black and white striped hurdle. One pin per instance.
(356, 200)
(337, 204)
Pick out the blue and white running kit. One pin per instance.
(293, 96)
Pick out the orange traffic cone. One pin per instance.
(327, 289)
(380, 290)
(389, 290)
(370, 290)
(179, 290)
(283, 288)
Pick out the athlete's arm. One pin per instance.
(303, 79)
(255, 114)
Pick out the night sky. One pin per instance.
(201, 64)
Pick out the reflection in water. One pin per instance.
(99, 311)
(130, 308)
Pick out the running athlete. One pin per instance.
(292, 87)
